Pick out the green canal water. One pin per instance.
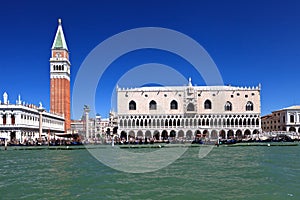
(252, 172)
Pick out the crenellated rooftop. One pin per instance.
(190, 85)
(202, 88)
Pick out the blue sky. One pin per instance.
(251, 42)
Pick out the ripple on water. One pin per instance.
(226, 173)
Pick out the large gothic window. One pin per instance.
(228, 106)
(152, 105)
(174, 105)
(190, 107)
(132, 105)
(207, 104)
(249, 106)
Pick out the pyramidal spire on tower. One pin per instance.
(59, 40)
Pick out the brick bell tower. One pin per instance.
(60, 77)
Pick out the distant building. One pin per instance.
(286, 119)
(60, 97)
(22, 122)
(188, 111)
(93, 128)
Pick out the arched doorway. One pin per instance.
(173, 134)
(214, 134)
(123, 135)
(140, 134)
(189, 135)
(131, 137)
(247, 133)
(292, 129)
(239, 134)
(148, 134)
(115, 130)
(198, 133)
(164, 135)
(205, 133)
(156, 135)
(131, 134)
(181, 134)
(230, 134)
(222, 134)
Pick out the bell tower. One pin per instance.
(60, 77)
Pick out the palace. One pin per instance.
(189, 111)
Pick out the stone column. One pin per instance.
(40, 125)
(86, 114)
(41, 110)
(8, 118)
